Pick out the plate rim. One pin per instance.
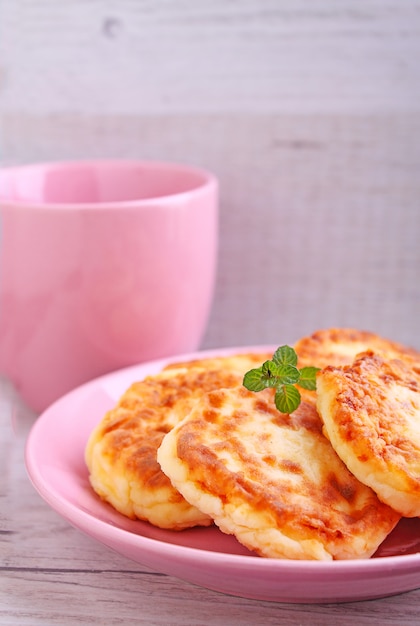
(97, 528)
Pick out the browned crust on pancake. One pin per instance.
(326, 504)
(136, 426)
(125, 442)
(371, 412)
(339, 346)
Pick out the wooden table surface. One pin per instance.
(54, 574)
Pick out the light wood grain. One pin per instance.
(145, 57)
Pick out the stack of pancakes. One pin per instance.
(191, 446)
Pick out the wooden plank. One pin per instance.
(160, 57)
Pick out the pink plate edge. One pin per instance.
(299, 582)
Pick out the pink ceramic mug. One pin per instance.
(103, 264)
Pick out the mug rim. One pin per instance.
(208, 181)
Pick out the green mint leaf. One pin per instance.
(282, 374)
(287, 399)
(287, 374)
(262, 377)
(269, 369)
(285, 355)
(254, 380)
(307, 378)
(270, 374)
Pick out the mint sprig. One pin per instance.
(282, 374)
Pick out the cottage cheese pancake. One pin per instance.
(371, 413)
(339, 346)
(272, 480)
(121, 451)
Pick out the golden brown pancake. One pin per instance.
(371, 414)
(121, 451)
(272, 480)
(339, 346)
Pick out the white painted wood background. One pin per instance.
(307, 111)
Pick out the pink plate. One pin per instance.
(206, 557)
